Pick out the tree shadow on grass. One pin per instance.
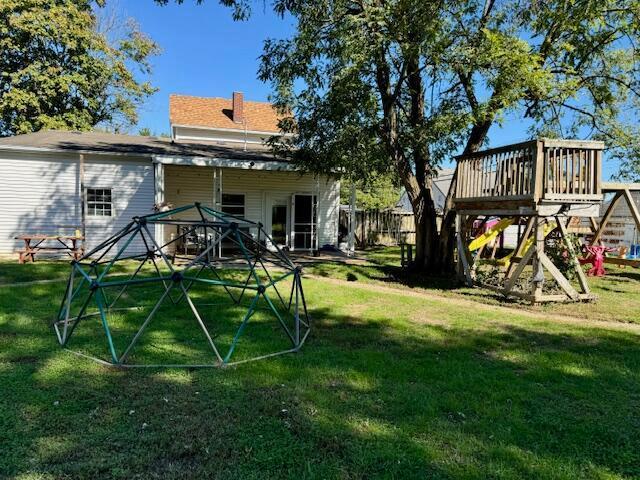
(367, 397)
(630, 274)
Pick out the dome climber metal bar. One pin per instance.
(96, 286)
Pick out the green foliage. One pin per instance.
(378, 192)
(556, 250)
(569, 66)
(145, 132)
(59, 71)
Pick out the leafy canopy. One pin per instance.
(59, 71)
(366, 77)
(376, 192)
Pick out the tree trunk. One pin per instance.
(447, 240)
(424, 212)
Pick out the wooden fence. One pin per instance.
(379, 227)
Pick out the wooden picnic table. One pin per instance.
(42, 243)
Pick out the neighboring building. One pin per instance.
(216, 156)
(440, 183)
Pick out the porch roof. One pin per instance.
(136, 145)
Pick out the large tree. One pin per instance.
(401, 85)
(60, 70)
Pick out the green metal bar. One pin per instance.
(133, 282)
(112, 239)
(220, 283)
(296, 314)
(246, 255)
(236, 338)
(84, 274)
(122, 249)
(225, 216)
(65, 298)
(105, 325)
(96, 272)
(277, 314)
(272, 282)
(159, 249)
(208, 249)
(235, 301)
(78, 318)
(190, 283)
(157, 216)
(246, 282)
(304, 302)
(125, 355)
(281, 277)
(122, 290)
(202, 325)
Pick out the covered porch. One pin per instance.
(298, 211)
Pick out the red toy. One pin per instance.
(596, 258)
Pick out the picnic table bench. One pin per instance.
(49, 243)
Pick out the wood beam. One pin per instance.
(558, 276)
(605, 218)
(633, 207)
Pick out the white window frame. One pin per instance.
(244, 204)
(110, 203)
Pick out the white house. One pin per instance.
(216, 156)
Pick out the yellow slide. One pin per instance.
(548, 228)
(490, 234)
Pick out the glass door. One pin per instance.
(304, 223)
(279, 225)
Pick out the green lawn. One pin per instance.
(618, 292)
(390, 385)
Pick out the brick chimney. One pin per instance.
(237, 107)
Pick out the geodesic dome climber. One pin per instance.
(152, 301)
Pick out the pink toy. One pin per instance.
(596, 258)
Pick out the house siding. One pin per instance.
(39, 194)
(187, 184)
(210, 135)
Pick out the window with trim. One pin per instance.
(233, 204)
(99, 202)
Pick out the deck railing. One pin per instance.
(537, 170)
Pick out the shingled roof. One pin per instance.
(215, 112)
(100, 142)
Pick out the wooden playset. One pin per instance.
(541, 186)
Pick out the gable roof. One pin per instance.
(215, 112)
(100, 142)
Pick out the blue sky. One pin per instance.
(206, 53)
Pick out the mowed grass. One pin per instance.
(618, 292)
(389, 385)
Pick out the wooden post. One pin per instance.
(463, 262)
(538, 271)
(83, 202)
(522, 240)
(582, 279)
(598, 172)
(158, 198)
(538, 173)
(351, 246)
(605, 218)
(633, 207)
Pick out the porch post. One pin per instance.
(158, 198)
(351, 245)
